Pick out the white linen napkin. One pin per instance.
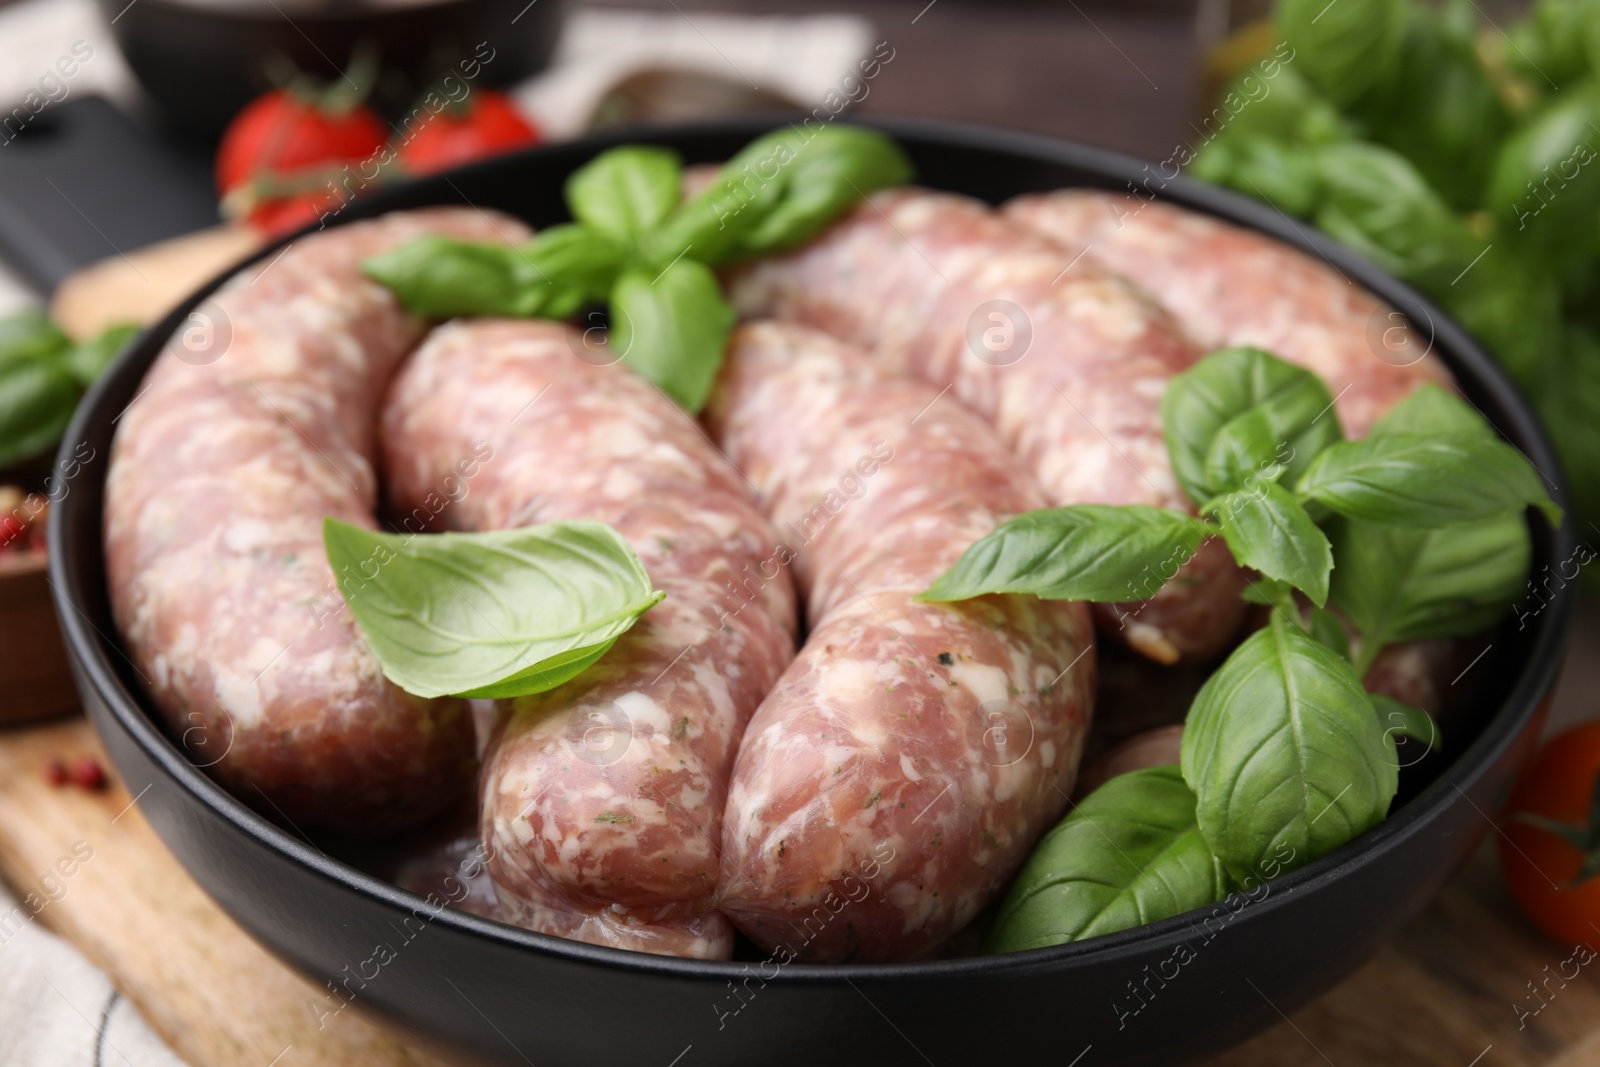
(58, 1010)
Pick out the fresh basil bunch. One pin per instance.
(42, 375)
(1459, 157)
(637, 244)
(505, 613)
(1283, 748)
(1346, 49)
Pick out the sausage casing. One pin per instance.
(602, 799)
(1066, 361)
(1227, 285)
(257, 420)
(899, 771)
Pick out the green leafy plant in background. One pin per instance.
(639, 246)
(42, 375)
(1461, 158)
(1285, 755)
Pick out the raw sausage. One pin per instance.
(898, 773)
(1066, 362)
(256, 421)
(602, 799)
(1227, 285)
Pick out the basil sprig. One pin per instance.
(1283, 751)
(1130, 853)
(1401, 583)
(639, 246)
(42, 375)
(500, 614)
(1256, 443)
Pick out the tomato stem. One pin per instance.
(1586, 839)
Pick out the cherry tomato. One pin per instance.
(1552, 837)
(287, 214)
(13, 531)
(486, 124)
(283, 132)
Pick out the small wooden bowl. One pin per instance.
(33, 662)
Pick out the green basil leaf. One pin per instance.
(672, 331)
(1569, 406)
(88, 360)
(30, 334)
(1404, 479)
(1345, 48)
(1375, 201)
(1400, 719)
(1130, 854)
(1511, 301)
(574, 266)
(439, 277)
(1429, 411)
(1268, 592)
(1283, 749)
(1268, 529)
(1283, 174)
(1290, 112)
(37, 396)
(779, 191)
(1326, 629)
(505, 613)
(1544, 188)
(1085, 552)
(626, 191)
(711, 225)
(1228, 383)
(1270, 441)
(562, 269)
(825, 170)
(1440, 108)
(1399, 583)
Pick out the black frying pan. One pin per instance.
(1170, 992)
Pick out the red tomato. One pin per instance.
(1543, 863)
(275, 218)
(281, 133)
(488, 124)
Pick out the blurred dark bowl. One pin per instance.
(203, 60)
(516, 997)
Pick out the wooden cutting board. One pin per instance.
(1445, 993)
(210, 991)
